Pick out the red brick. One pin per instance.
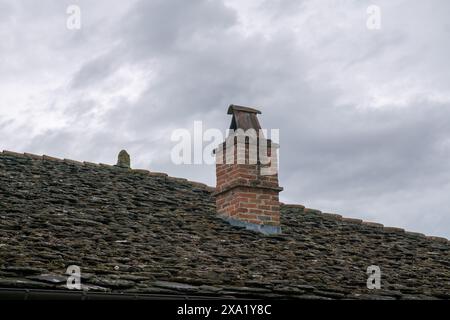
(250, 202)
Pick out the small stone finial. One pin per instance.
(123, 159)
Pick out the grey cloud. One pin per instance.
(161, 26)
(95, 71)
(5, 12)
(379, 151)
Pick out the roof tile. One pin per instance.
(164, 230)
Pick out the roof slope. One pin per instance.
(136, 231)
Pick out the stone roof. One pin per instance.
(139, 231)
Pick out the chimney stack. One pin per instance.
(247, 175)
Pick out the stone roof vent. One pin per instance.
(123, 159)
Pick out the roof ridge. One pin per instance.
(104, 165)
(339, 217)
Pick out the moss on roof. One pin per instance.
(137, 231)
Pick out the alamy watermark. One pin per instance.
(374, 277)
(73, 21)
(74, 279)
(373, 21)
(240, 147)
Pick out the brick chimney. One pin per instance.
(247, 175)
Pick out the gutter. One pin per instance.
(38, 294)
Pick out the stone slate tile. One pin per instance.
(129, 230)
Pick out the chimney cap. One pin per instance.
(244, 118)
(233, 107)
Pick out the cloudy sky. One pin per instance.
(363, 114)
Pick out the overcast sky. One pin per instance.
(363, 114)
